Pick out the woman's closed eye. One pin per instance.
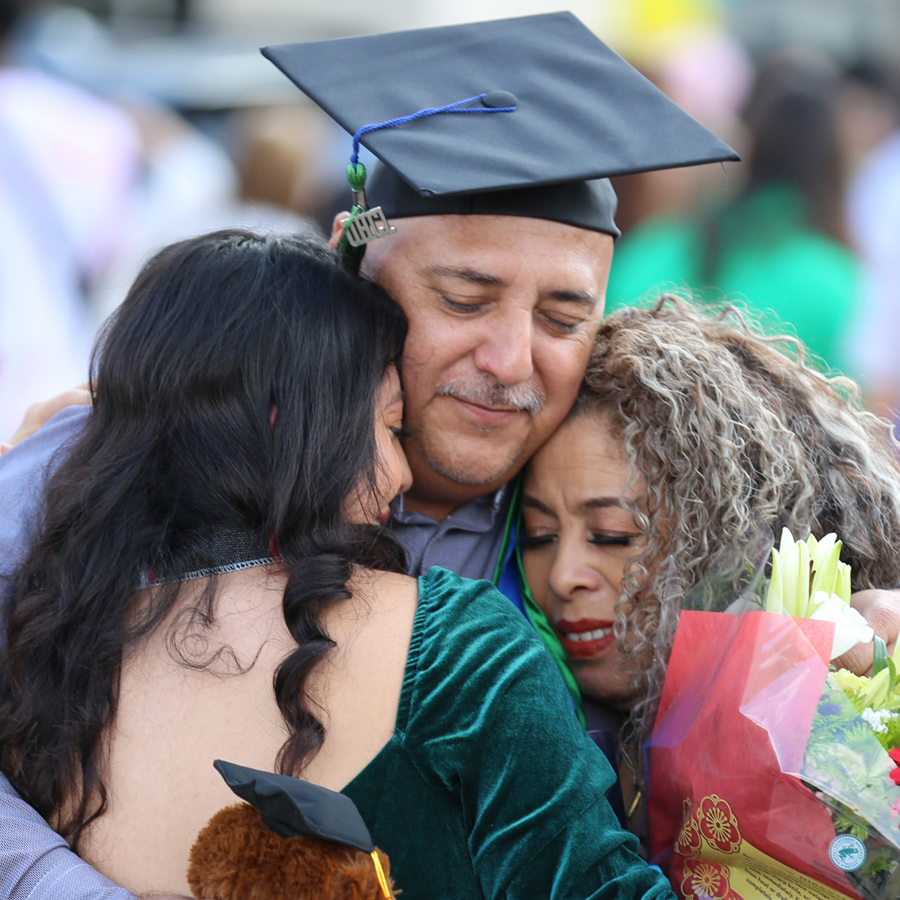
(528, 541)
(612, 540)
(401, 432)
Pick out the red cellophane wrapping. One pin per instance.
(730, 815)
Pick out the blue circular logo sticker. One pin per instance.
(847, 852)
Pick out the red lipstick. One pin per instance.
(585, 638)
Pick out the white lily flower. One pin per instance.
(783, 583)
(825, 556)
(850, 627)
(802, 569)
(801, 605)
(774, 603)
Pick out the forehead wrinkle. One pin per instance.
(598, 503)
(534, 503)
(466, 274)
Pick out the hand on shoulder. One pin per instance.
(38, 414)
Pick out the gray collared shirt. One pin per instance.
(23, 471)
(37, 864)
(468, 541)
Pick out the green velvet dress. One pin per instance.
(489, 786)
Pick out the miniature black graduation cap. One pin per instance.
(567, 111)
(290, 806)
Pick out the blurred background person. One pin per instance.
(68, 166)
(686, 49)
(100, 166)
(872, 114)
(779, 241)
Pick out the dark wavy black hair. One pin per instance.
(234, 392)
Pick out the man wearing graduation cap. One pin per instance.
(493, 227)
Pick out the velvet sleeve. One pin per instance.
(497, 729)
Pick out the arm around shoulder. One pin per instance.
(23, 471)
(37, 864)
(38, 414)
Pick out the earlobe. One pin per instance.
(337, 228)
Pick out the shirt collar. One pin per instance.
(481, 513)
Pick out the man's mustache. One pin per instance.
(522, 396)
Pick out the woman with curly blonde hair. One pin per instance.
(693, 435)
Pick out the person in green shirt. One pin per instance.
(779, 245)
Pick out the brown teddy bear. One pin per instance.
(296, 840)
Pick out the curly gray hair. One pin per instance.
(733, 432)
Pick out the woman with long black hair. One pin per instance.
(209, 581)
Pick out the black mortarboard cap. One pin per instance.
(582, 114)
(290, 806)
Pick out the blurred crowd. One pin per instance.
(805, 230)
(96, 175)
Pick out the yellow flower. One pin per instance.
(849, 681)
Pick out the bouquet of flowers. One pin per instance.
(773, 775)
